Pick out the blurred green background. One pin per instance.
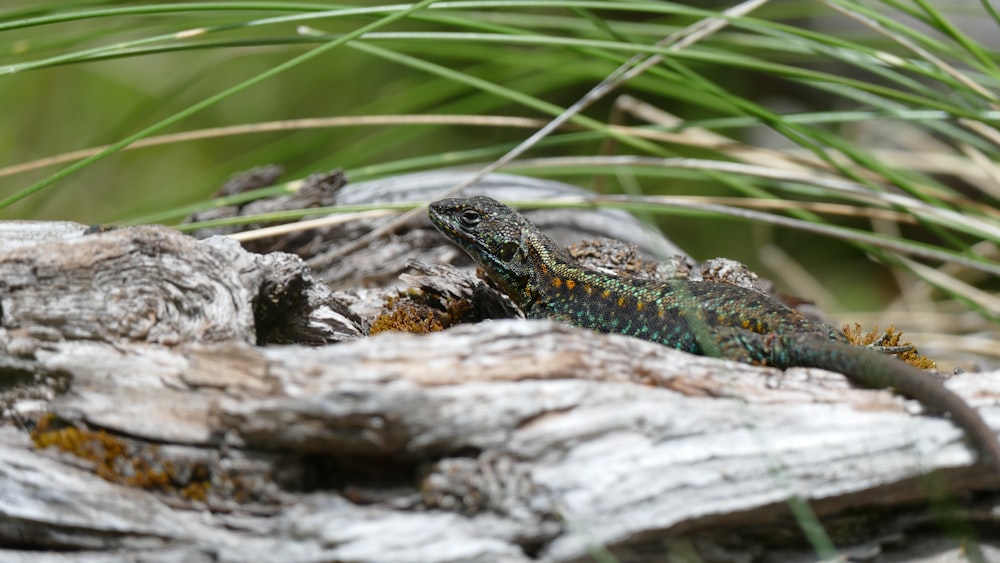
(803, 76)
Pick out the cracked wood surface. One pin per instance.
(505, 440)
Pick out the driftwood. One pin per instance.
(187, 400)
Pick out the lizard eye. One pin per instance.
(469, 217)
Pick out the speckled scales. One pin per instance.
(707, 318)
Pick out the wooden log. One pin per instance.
(145, 415)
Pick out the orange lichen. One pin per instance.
(114, 459)
(408, 314)
(889, 337)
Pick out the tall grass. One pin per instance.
(802, 138)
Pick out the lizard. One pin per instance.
(701, 317)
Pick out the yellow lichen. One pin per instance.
(196, 491)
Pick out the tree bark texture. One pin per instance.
(177, 399)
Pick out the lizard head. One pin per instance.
(497, 237)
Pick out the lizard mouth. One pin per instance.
(442, 217)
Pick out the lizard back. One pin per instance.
(708, 318)
(546, 283)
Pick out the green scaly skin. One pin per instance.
(708, 318)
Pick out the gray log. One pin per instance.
(506, 440)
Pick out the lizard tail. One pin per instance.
(878, 371)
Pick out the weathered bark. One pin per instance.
(177, 430)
